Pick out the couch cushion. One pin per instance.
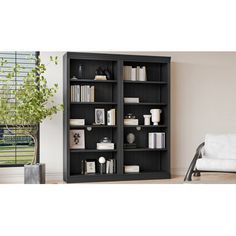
(210, 164)
(221, 146)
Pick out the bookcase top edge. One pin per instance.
(110, 56)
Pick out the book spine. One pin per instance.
(138, 73)
(133, 74)
(88, 93)
(71, 96)
(142, 74)
(111, 167)
(107, 166)
(92, 88)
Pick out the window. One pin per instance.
(15, 149)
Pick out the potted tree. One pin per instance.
(35, 103)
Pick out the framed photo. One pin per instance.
(90, 167)
(99, 116)
(77, 140)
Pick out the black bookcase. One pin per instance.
(153, 93)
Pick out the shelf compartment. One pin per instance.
(147, 163)
(90, 67)
(115, 177)
(155, 71)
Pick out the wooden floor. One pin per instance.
(206, 178)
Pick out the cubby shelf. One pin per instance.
(109, 94)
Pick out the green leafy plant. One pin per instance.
(24, 108)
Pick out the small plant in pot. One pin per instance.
(24, 108)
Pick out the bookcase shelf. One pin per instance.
(91, 150)
(93, 81)
(153, 93)
(146, 82)
(144, 149)
(145, 104)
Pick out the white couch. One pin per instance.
(217, 154)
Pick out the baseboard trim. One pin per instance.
(16, 175)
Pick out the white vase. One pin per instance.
(147, 119)
(155, 116)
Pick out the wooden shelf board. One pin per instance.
(144, 149)
(93, 81)
(146, 104)
(93, 103)
(144, 82)
(145, 126)
(91, 150)
(93, 126)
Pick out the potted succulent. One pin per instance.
(35, 103)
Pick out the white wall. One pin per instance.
(203, 97)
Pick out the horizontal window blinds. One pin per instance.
(15, 149)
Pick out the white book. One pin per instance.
(71, 93)
(133, 74)
(81, 93)
(127, 72)
(77, 93)
(92, 94)
(111, 167)
(88, 93)
(142, 74)
(111, 117)
(107, 166)
(132, 169)
(82, 98)
(137, 73)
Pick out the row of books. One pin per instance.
(135, 73)
(156, 140)
(110, 166)
(82, 93)
(93, 167)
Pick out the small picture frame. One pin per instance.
(77, 140)
(100, 116)
(90, 167)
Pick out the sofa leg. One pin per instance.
(197, 173)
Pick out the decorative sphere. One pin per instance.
(102, 160)
(130, 138)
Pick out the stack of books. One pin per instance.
(135, 73)
(82, 93)
(156, 140)
(129, 169)
(105, 146)
(110, 166)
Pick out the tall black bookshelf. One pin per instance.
(109, 94)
